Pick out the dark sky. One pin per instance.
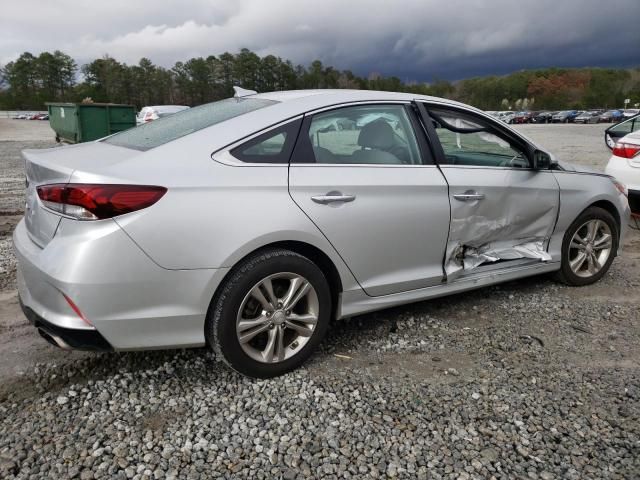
(416, 40)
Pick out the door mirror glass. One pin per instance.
(542, 160)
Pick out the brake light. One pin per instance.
(97, 202)
(626, 150)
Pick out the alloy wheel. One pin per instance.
(590, 248)
(277, 317)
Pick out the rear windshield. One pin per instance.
(172, 127)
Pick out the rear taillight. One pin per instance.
(96, 202)
(626, 150)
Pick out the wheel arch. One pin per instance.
(611, 208)
(313, 253)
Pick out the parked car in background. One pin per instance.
(508, 117)
(616, 132)
(565, 116)
(543, 117)
(624, 165)
(148, 114)
(246, 225)
(630, 112)
(522, 117)
(611, 116)
(587, 117)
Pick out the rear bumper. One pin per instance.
(129, 302)
(66, 337)
(626, 174)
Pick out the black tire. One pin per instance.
(220, 328)
(565, 274)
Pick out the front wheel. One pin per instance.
(588, 248)
(271, 314)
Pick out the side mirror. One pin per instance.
(542, 160)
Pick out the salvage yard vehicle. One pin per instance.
(611, 116)
(619, 130)
(624, 163)
(248, 224)
(522, 117)
(149, 114)
(588, 117)
(565, 116)
(543, 117)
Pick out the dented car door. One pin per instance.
(502, 208)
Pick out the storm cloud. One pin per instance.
(413, 39)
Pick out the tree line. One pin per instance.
(30, 81)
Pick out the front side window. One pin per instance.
(468, 140)
(366, 134)
(169, 128)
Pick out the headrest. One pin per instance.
(377, 134)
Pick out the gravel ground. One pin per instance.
(528, 379)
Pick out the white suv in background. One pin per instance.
(624, 165)
(148, 114)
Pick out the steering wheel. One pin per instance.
(510, 162)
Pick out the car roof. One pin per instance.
(288, 105)
(329, 97)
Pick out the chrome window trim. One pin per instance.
(338, 106)
(360, 165)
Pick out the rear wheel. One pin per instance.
(271, 314)
(588, 247)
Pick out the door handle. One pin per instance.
(333, 197)
(469, 196)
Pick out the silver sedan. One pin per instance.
(249, 224)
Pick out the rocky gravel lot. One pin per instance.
(529, 379)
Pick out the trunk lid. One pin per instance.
(56, 165)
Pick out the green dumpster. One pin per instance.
(83, 122)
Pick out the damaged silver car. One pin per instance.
(248, 224)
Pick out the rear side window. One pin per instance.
(274, 146)
(627, 126)
(367, 134)
(172, 127)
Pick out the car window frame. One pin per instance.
(299, 157)
(497, 128)
(633, 120)
(223, 155)
(292, 129)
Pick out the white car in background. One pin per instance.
(508, 117)
(624, 165)
(148, 114)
